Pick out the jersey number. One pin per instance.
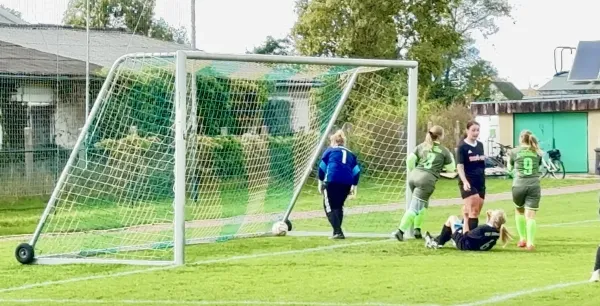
(429, 161)
(344, 156)
(527, 166)
(486, 245)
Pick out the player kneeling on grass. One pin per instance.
(428, 160)
(338, 177)
(526, 190)
(481, 238)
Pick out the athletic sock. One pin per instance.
(597, 265)
(445, 235)
(337, 226)
(420, 218)
(407, 220)
(473, 222)
(531, 228)
(521, 226)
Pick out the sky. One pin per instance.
(522, 50)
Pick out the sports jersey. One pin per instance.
(339, 165)
(527, 166)
(482, 238)
(472, 157)
(432, 159)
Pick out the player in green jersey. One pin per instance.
(526, 191)
(424, 166)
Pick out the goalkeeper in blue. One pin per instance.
(424, 166)
(338, 177)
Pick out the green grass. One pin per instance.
(382, 272)
(21, 216)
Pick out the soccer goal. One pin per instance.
(190, 147)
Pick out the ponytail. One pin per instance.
(339, 138)
(528, 139)
(505, 235)
(435, 133)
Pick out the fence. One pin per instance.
(52, 66)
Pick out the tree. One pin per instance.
(12, 11)
(389, 29)
(136, 16)
(282, 46)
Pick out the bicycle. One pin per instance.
(496, 165)
(554, 166)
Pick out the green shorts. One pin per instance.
(527, 196)
(421, 184)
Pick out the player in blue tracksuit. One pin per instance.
(338, 177)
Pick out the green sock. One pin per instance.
(420, 218)
(407, 220)
(521, 226)
(531, 228)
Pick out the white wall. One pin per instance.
(489, 133)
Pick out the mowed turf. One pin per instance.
(301, 271)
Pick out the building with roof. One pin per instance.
(564, 115)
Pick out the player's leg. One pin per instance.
(518, 194)
(451, 226)
(472, 205)
(337, 194)
(532, 204)
(596, 274)
(424, 193)
(327, 205)
(408, 217)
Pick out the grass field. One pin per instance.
(317, 271)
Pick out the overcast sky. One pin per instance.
(522, 50)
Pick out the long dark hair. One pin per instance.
(469, 125)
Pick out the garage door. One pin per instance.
(564, 131)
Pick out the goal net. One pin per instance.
(231, 145)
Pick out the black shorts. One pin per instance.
(461, 241)
(335, 195)
(477, 187)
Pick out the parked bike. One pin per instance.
(553, 166)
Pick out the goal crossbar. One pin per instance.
(180, 98)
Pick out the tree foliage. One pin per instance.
(281, 46)
(136, 16)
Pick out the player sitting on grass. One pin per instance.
(526, 190)
(338, 177)
(428, 160)
(481, 238)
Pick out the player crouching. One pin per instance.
(481, 238)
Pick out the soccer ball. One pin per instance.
(279, 228)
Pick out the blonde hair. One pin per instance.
(497, 218)
(527, 138)
(338, 138)
(435, 133)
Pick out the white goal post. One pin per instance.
(150, 184)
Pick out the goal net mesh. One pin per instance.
(251, 131)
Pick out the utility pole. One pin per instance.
(193, 16)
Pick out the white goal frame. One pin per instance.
(181, 57)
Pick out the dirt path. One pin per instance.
(303, 215)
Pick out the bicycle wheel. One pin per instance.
(560, 169)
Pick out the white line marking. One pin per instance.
(201, 262)
(509, 296)
(569, 223)
(175, 302)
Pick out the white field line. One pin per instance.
(176, 302)
(201, 262)
(512, 295)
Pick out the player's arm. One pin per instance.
(450, 164)
(460, 165)
(412, 159)
(510, 161)
(323, 169)
(355, 177)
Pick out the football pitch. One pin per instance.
(318, 271)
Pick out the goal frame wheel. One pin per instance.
(25, 253)
(289, 224)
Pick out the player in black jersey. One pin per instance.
(596, 273)
(481, 238)
(470, 164)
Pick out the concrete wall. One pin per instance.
(593, 138)
(505, 129)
